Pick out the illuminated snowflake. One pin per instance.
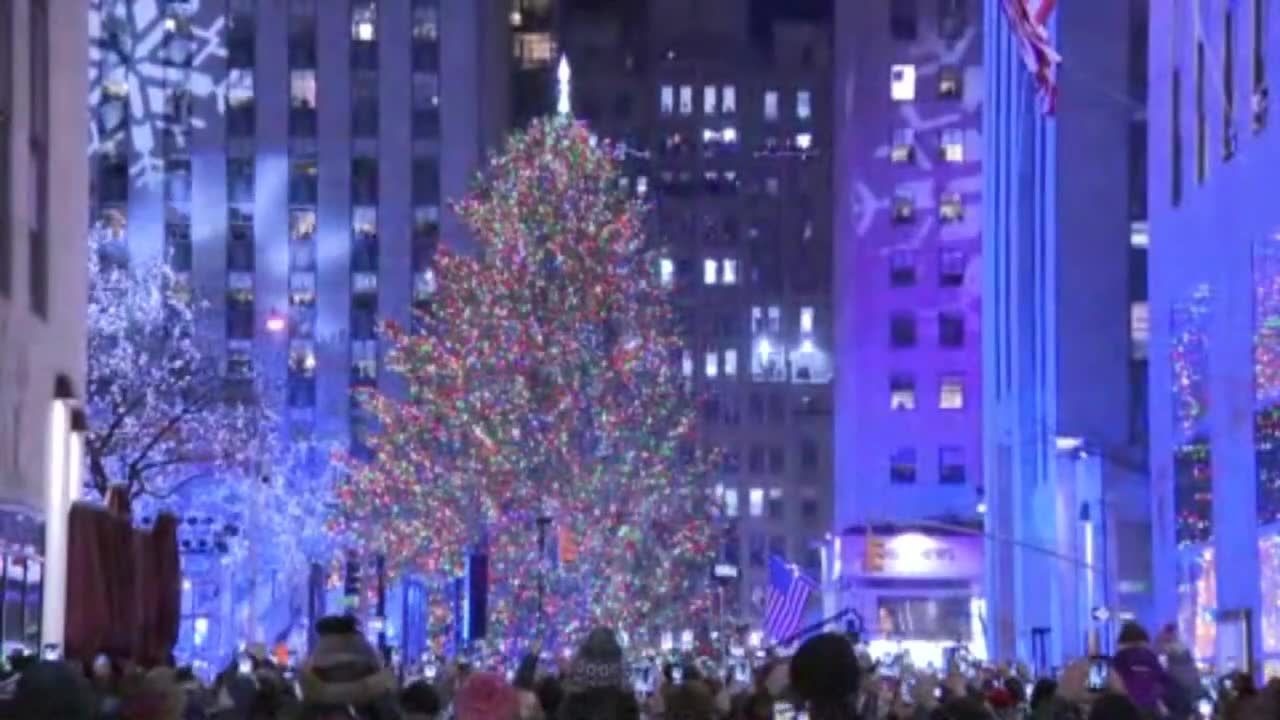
(133, 76)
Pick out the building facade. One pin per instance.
(1215, 231)
(295, 161)
(908, 106)
(722, 112)
(43, 291)
(1065, 350)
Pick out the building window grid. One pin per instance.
(1259, 99)
(902, 391)
(902, 466)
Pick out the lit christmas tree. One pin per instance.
(543, 418)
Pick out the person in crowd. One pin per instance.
(825, 676)
(157, 695)
(486, 696)
(690, 700)
(1115, 706)
(1184, 690)
(525, 683)
(1140, 671)
(344, 673)
(420, 701)
(550, 694)
(51, 691)
(596, 687)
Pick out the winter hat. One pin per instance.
(598, 663)
(1131, 633)
(486, 696)
(52, 691)
(339, 643)
(825, 669)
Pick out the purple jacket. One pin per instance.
(1144, 678)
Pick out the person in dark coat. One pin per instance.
(1140, 670)
(344, 677)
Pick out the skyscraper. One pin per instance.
(42, 299)
(721, 110)
(294, 160)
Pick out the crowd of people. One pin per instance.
(827, 678)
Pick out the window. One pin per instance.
(904, 208)
(686, 99)
(709, 99)
(902, 268)
(804, 104)
(240, 96)
(1228, 86)
(902, 466)
(951, 267)
(775, 319)
(1202, 124)
(710, 272)
(953, 145)
(950, 329)
(1175, 128)
(686, 363)
(951, 393)
(534, 49)
(809, 508)
(666, 273)
(777, 460)
(364, 21)
(364, 105)
(426, 22)
(302, 103)
(729, 271)
(804, 141)
(951, 465)
(667, 99)
(903, 148)
(1260, 94)
(949, 84)
(808, 454)
(806, 320)
(712, 366)
(952, 18)
(425, 180)
(239, 181)
(902, 330)
(1139, 328)
(776, 509)
(950, 207)
(240, 41)
(728, 100)
(364, 181)
(426, 105)
(902, 392)
(730, 363)
(755, 502)
(731, 502)
(302, 224)
(903, 20)
(770, 105)
(902, 83)
(755, 457)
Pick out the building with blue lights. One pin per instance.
(1064, 347)
(1215, 241)
(295, 160)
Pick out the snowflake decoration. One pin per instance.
(127, 55)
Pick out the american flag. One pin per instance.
(789, 591)
(1029, 22)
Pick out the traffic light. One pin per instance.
(874, 555)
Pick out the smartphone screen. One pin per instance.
(677, 675)
(1099, 669)
(246, 665)
(784, 711)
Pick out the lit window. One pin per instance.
(755, 502)
(951, 393)
(642, 185)
(302, 89)
(949, 81)
(804, 140)
(712, 364)
(364, 358)
(728, 100)
(710, 276)
(771, 186)
(953, 145)
(1139, 328)
(904, 208)
(729, 271)
(686, 363)
(902, 83)
(804, 104)
(902, 392)
(709, 99)
(729, 136)
(904, 145)
(686, 99)
(950, 207)
(667, 100)
(775, 319)
(666, 272)
(730, 363)
(770, 104)
(806, 320)
(731, 502)
(426, 22)
(535, 49)
(239, 88)
(1139, 234)
(364, 17)
(757, 319)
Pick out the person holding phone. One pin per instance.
(1139, 669)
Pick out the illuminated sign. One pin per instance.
(917, 555)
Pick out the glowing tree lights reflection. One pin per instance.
(1189, 361)
(1197, 594)
(1266, 373)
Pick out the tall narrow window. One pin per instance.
(6, 244)
(709, 100)
(1175, 126)
(903, 20)
(1202, 124)
(1228, 86)
(38, 279)
(770, 104)
(804, 104)
(686, 99)
(1259, 101)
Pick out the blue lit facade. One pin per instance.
(295, 160)
(1215, 229)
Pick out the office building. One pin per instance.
(721, 111)
(908, 327)
(1215, 233)
(1064, 357)
(43, 293)
(294, 160)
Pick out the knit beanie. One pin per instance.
(598, 663)
(340, 644)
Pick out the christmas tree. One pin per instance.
(543, 418)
